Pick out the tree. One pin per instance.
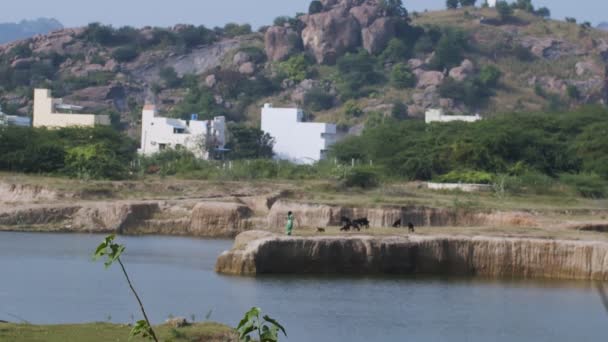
(399, 110)
(170, 77)
(402, 77)
(451, 4)
(543, 12)
(249, 143)
(318, 99)
(449, 50)
(525, 5)
(315, 7)
(464, 3)
(395, 51)
(393, 8)
(489, 75)
(504, 10)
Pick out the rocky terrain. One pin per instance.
(257, 253)
(541, 64)
(208, 209)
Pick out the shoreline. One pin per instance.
(256, 253)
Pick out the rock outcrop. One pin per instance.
(280, 42)
(322, 215)
(219, 219)
(377, 35)
(328, 35)
(478, 256)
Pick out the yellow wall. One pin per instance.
(44, 116)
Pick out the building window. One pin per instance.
(178, 130)
(162, 147)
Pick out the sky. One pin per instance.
(212, 13)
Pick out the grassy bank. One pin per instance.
(103, 332)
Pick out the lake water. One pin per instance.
(50, 278)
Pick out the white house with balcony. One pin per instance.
(202, 138)
(295, 140)
(437, 115)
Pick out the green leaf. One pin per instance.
(141, 328)
(275, 323)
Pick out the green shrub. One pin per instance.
(489, 76)
(318, 99)
(361, 176)
(449, 50)
(125, 54)
(399, 110)
(466, 176)
(588, 185)
(94, 161)
(296, 68)
(395, 51)
(402, 77)
(170, 77)
(234, 30)
(352, 109)
(356, 73)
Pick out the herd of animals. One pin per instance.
(348, 224)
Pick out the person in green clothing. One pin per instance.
(289, 225)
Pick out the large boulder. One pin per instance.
(280, 42)
(430, 78)
(365, 14)
(460, 73)
(330, 34)
(377, 35)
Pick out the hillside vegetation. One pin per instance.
(379, 61)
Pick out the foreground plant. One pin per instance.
(266, 328)
(112, 251)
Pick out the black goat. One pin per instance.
(397, 224)
(410, 227)
(363, 222)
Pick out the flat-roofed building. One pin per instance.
(296, 140)
(53, 113)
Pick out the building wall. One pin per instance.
(492, 3)
(297, 141)
(45, 117)
(159, 132)
(436, 115)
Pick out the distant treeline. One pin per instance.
(535, 149)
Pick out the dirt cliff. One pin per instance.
(259, 253)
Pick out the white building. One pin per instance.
(199, 137)
(295, 140)
(14, 120)
(492, 3)
(53, 113)
(437, 115)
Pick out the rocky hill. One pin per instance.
(27, 28)
(349, 61)
(603, 26)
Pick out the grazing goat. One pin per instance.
(410, 227)
(320, 230)
(397, 224)
(363, 222)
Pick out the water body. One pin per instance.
(50, 278)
